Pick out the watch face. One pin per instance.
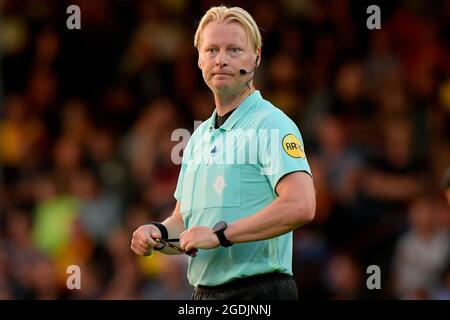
(221, 225)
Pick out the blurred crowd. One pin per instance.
(86, 118)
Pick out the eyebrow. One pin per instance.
(233, 45)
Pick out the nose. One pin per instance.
(221, 60)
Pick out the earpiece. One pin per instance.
(243, 72)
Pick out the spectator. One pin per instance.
(422, 252)
(344, 278)
(54, 216)
(446, 185)
(100, 211)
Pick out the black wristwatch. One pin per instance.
(219, 229)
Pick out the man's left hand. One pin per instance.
(198, 238)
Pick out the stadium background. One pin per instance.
(86, 118)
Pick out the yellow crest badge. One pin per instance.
(292, 146)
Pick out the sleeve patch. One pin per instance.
(292, 146)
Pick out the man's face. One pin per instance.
(224, 49)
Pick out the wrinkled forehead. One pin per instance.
(224, 33)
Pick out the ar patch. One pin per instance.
(292, 146)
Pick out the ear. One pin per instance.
(258, 53)
(199, 62)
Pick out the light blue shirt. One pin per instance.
(230, 173)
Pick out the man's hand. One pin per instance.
(198, 238)
(143, 239)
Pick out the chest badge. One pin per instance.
(219, 184)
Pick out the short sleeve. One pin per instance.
(280, 148)
(179, 188)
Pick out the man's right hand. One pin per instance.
(143, 240)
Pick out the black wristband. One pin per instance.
(162, 228)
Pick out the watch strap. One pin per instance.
(164, 233)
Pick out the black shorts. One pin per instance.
(269, 286)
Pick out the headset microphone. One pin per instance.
(243, 72)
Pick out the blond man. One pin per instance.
(238, 202)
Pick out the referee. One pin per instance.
(245, 183)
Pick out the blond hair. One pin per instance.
(233, 14)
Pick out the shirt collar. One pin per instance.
(238, 113)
